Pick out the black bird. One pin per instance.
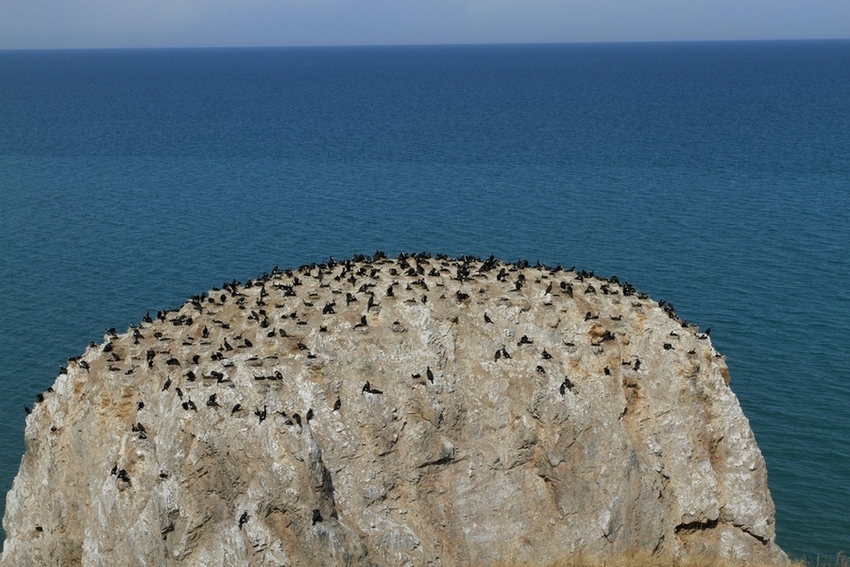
(179, 393)
(309, 415)
(317, 516)
(190, 405)
(366, 387)
(524, 340)
(668, 346)
(227, 345)
(498, 355)
(429, 374)
(637, 364)
(27, 410)
(114, 470)
(607, 371)
(297, 419)
(212, 401)
(487, 318)
(236, 408)
(243, 519)
(140, 406)
(362, 322)
(84, 365)
(261, 414)
(505, 352)
(545, 355)
(566, 385)
(337, 404)
(541, 369)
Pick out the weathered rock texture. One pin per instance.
(212, 434)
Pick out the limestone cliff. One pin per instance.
(410, 411)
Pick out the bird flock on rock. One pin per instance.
(215, 336)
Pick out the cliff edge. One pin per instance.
(378, 411)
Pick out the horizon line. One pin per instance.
(469, 44)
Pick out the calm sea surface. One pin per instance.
(715, 176)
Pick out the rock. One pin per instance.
(454, 441)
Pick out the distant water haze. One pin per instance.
(712, 175)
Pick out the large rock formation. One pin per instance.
(418, 411)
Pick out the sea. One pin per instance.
(715, 176)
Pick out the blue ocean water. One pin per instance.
(713, 175)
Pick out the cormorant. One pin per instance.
(317, 516)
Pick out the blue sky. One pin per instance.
(208, 23)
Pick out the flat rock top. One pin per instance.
(377, 411)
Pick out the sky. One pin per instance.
(51, 24)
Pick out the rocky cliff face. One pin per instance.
(412, 411)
